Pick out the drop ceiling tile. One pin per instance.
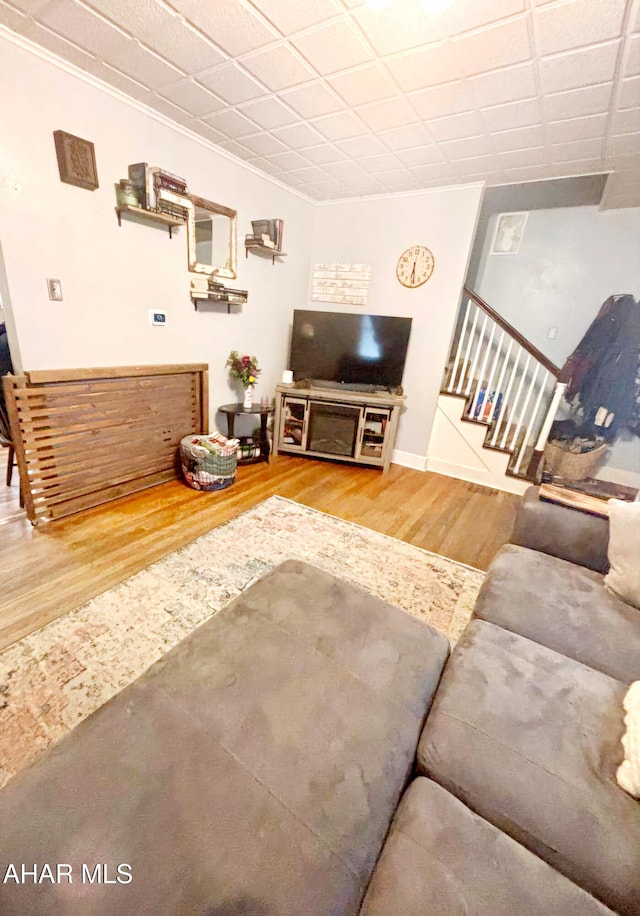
(278, 68)
(421, 155)
(530, 173)
(624, 145)
(632, 63)
(590, 128)
(324, 154)
(436, 172)
(163, 31)
(400, 27)
(519, 139)
(263, 144)
(623, 162)
(624, 122)
(14, 18)
(518, 158)
(232, 25)
(168, 109)
(499, 46)
(268, 113)
(579, 167)
(53, 42)
(332, 47)
(265, 166)
(292, 15)
(501, 86)
(385, 115)
(369, 83)
(298, 136)
(193, 98)
(462, 17)
(564, 26)
(400, 180)
(357, 147)
(339, 126)
(426, 67)
(312, 100)
(83, 28)
(117, 79)
(465, 149)
(630, 93)
(288, 160)
(469, 124)
(310, 173)
(205, 130)
(405, 137)
(580, 68)
(581, 149)
(346, 170)
(440, 101)
(231, 123)
(364, 184)
(385, 163)
(236, 149)
(328, 186)
(230, 83)
(478, 167)
(512, 115)
(142, 65)
(578, 102)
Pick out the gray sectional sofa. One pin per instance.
(278, 762)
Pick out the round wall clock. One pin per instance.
(415, 266)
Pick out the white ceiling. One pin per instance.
(336, 99)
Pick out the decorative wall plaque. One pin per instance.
(344, 283)
(76, 160)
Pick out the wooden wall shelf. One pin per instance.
(169, 221)
(264, 251)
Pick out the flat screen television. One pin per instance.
(354, 350)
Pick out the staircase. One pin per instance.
(498, 399)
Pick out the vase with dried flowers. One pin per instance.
(244, 368)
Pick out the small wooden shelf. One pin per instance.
(169, 221)
(264, 252)
(215, 299)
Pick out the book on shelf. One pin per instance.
(270, 231)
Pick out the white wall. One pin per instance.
(570, 260)
(376, 231)
(112, 276)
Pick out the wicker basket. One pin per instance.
(209, 462)
(571, 465)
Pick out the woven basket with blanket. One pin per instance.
(209, 462)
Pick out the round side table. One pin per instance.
(232, 411)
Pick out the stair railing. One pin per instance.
(510, 385)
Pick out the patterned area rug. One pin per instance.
(54, 678)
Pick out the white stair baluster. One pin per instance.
(456, 361)
(468, 351)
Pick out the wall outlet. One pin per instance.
(551, 333)
(157, 319)
(55, 289)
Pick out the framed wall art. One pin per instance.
(508, 233)
(76, 160)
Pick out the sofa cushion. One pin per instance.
(254, 769)
(441, 852)
(628, 774)
(562, 606)
(530, 740)
(623, 577)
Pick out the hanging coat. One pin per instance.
(602, 370)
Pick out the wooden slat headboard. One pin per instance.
(85, 436)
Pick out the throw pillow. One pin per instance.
(628, 774)
(623, 577)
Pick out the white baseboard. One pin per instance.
(409, 460)
(479, 476)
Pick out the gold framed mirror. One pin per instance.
(211, 238)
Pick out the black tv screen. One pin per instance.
(349, 349)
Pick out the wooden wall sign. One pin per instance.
(76, 160)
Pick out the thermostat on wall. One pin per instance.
(157, 319)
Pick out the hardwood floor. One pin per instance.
(57, 566)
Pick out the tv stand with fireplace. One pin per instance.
(343, 425)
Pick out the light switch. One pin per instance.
(551, 333)
(55, 289)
